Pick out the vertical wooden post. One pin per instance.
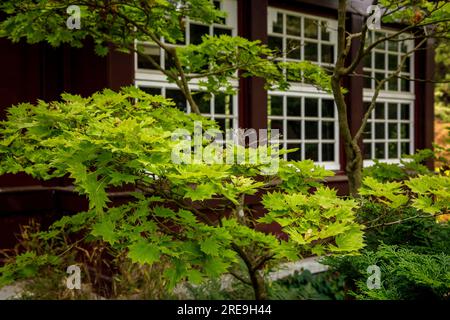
(252, 22)
(424, 66)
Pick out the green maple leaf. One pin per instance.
(105, 230)
(144, 252)
(96, 193)
(215, 267)
(201, 192)
(195, 276)
(210, 246)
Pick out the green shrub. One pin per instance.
(405, 274)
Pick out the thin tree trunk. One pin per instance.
(354, 172)
(259, 285)
(256, 277)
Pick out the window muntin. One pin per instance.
(389, 131)
(385, 59)
(307, 122)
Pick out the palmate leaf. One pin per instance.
(200, 192)
(214, 267)
(105, 230)
(210, 247)
(96, 193)
(350, 240)
(144, 252)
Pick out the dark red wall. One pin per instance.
(32, 72)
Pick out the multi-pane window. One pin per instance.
(305, 116)
(385, 59)
(194, 31)
(300, 37)
(306, 123)
(389, 131)
(222, 108)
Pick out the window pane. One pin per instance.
(293, 49)
(392, 130)
(404, 113)
(277, 25)
(312, 151)
(327, 108)
(152, 52)
(296, 155)
(224, 124)
(328, 152)
(152, 91)
(294, 106)
(367, 151)
(311, 107)
(405, 84)
(368, 131)
(367, 80)
(379, 111)
(325, 34)
(327, 53)
(379, 35)
(275, 43)
(405, 148)
(367, 61)
(393, 150)
(403, 47)
(311, 130)
(379, 151)
(392, 62)
(379, 60)
(407, 65)
(196, 32)
(378, 78)
(379, 130)
(311, 51)
(293, 25)
(223, 104)
(311, 28)
(276, 106)
(219, 31)
(404, 131)
(217, 5)
(327, 130)
(294, 129)
(203, 101)
(393, 84)
(392, 111)
(392, 45)
(277, 124)
(178, 98)
(169, 63)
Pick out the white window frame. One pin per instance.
(389, 96)
(373, 70)
(386, 139)
(302, 90)
(284, 140)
